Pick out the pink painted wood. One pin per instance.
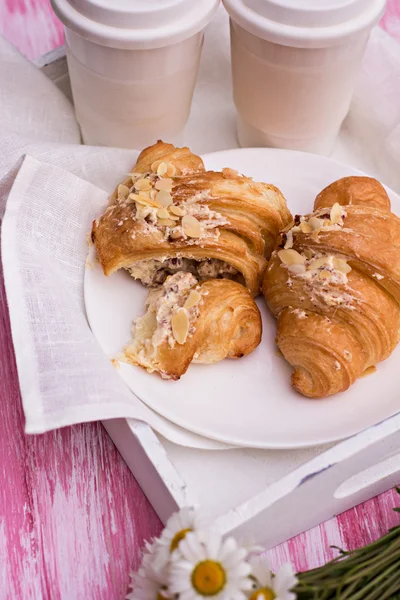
(72, 517)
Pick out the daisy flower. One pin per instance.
(176, 529)
(267, 586)
(148, 583)
(205, 565)
(145, 588)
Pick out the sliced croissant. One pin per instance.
(334, 285)
(173, 215)
(190, 322)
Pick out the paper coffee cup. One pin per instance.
(133, 66)
(295, 66)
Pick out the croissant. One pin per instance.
(190, 322)
(171, 215)
(333, 283)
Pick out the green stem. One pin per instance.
(369, 573)
(361, 594)
(355, 557)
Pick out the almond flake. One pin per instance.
(171, 170)
(290, 257)
(140, 204)
(163, 213)
(191, 226)
(164, 198)
(135, 197)
(305, 227)
(193, 299)
(139, 208)
(315, 223)
(180, 325)
(177, 210)
(297, 269)
(123, 191)
(341, 265)
(155, 165)
(319, 262)
(144, 200)
(166, 223)
(162, 169)
(324, 275)
(307, 253)
(143, 184)
(336, 214)
(164, 184)
(135, 176)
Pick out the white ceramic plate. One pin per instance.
(248, 402)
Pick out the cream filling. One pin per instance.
(324, 273)
(156, 326)
(154, 211)
(152, 272)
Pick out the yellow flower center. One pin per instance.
(208, 578)
(178, 537)
(263, 594)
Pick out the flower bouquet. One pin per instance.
(191, 561)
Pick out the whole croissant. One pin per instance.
(190, 322)
(171, 215)
(334, 285)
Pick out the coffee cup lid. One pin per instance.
(135, 23)
(305, 23)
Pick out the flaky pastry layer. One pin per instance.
(333, 283)
(190, 322)
(171, 208)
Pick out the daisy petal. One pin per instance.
(191, 548)
(224, 560)
(284, 580)
(261, 571)
(243, 569)
(229, 546)
(213, 546)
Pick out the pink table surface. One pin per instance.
(72, 517)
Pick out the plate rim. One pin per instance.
(244, 443)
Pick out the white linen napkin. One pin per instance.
(51, 188)
(64, 376)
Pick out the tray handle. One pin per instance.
(336, 480)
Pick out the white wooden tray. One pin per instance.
(265, 494)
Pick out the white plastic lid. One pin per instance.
(305, 23)
(135, 23)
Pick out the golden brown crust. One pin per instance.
(183, 159)
(332, 330)
(116, 252)
(228, 326)
(354, 190)
(255, 211)
(244, 218)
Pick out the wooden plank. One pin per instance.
(31, 26)
(72, 517)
